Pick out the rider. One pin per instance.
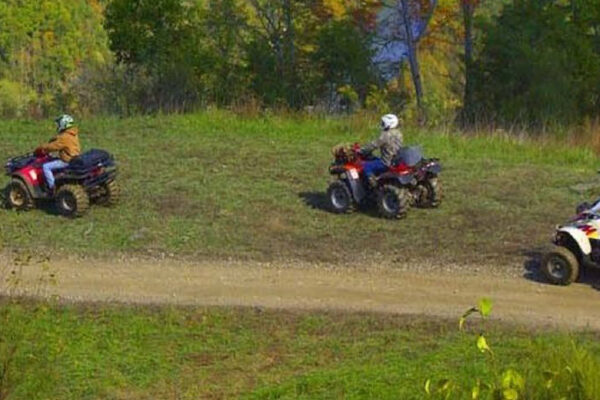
(66, 143)
(388, 143)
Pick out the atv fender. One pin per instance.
(401, 179)
(35, 191)
(434, 169)
(357, 189)
(579, 237)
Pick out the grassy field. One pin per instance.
(114, 352)
(219, 185)
(215, 185)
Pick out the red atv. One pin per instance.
(411, 180)
(88, 178)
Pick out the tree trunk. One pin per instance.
(468, 8)
(290, 57)
(412, 58)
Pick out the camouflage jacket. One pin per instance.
(388, 143)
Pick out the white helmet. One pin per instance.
(64, 122)
(389, 121)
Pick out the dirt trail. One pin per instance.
(301, 286)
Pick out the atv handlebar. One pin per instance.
(39, 152)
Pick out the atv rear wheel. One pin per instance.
(431, 197)
(17, 196)
(340, 198)
(72, 201)
(112, 194)
(393, 202)
(560, 266)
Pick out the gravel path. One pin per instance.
(313, 287)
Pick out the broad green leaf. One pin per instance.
(442, 383)
(569, 369)
(485, 307)
(482, 344)
(447, 386)
(476, 391)
(512, 379)
(549, 377)
(510, 394)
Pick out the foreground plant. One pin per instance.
(568, 377)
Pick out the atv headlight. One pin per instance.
(353, 173)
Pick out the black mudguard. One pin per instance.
(357, 188)
(403, 180)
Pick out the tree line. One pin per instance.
(501, 62)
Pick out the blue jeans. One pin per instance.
(51, 166)
(374, 167)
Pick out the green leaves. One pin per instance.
(549, 377)
(512, 385)
(485, 307)
(444, 388)
(510, 394)
(482, 344)
(555, 82)
(476, 390)
(62, 39)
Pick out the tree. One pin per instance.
(539, 64)
(46, 46)
(225, 28)
(468, 11)
(158, 40)
(343, 60)
(274, 49)
(401, 25)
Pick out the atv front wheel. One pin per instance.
(560, 266)
(17, 196)
(340, 198)
(393, 202)
(112, 194)
(72, 201)
(431, 197)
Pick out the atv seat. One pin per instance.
(408, 155)
(89, 159)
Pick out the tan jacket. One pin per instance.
(388, 143)
(65, 143)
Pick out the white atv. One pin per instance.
(577, 245)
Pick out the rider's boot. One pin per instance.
(372, 181)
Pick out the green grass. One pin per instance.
(117, 352)
(218, 185)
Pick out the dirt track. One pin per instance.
(300, 286)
